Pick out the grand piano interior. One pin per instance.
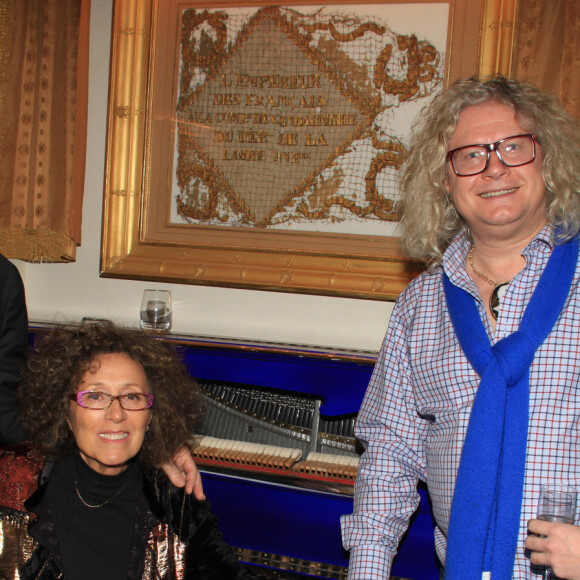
(278, 457)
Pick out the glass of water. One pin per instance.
(557, 504)
(156, 310)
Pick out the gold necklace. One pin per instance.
(498, 289)
(116, 494)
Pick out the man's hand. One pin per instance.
(183, 472)
(556, 545)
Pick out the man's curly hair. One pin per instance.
(61, 357)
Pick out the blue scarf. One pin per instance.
(486, 507)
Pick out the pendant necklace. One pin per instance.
(498, 289)
(116, 494)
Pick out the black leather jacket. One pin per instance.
(167, 518)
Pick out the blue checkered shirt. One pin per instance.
(414, 416)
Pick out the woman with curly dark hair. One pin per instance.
(105, 405)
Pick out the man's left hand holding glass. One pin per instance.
(556, 545)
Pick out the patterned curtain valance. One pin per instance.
(43, 115)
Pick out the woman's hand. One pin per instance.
(559, 548)
(183, 472)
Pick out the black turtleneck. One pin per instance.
(95, 543)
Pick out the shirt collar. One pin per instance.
(455, 255)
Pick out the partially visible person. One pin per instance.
(13, 350)
(475, 390)
(556, 545)
(103, 406)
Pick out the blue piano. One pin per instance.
(278, 455)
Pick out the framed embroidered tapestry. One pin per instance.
(260, 146)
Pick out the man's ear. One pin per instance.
(447, 185)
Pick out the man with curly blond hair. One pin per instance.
(475, 388)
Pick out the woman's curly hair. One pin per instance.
(430, 220)
(61, 357)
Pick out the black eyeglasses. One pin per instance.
(511, 151)
(97, 401)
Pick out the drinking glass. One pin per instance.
(557, 504)
(156, 310)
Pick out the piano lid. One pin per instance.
(339, 377)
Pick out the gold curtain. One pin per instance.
(43, 116)
(547, 48)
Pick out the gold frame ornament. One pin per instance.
(138, 242)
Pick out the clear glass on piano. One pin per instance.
(156, 310)
(557, 504)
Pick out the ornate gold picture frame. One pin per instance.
(175, 211)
